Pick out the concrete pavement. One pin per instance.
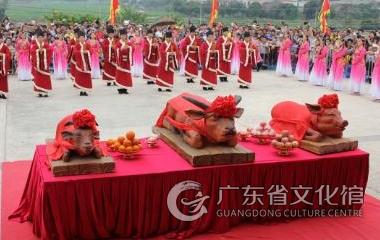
(26, 120)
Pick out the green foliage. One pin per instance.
(284, 11)
(369, 24)
(3, 7)
(64, 18)
(311, 9)
(128, 13)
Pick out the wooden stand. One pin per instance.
(329, 145)
(210, 155)
(81, 165)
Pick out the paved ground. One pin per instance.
(26, 120)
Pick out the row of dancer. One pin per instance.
(160, 60)
(332, 78)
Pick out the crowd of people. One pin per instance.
(122, 53)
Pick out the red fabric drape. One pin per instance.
(131, 202)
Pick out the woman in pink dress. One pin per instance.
(358, 69)
(60, 58)
(337, 66)
(138, 64)
(375, 85)
(318, 75)
(24, 66)
(235, 59)
(302, 68)
(284, 64)
(95, 51)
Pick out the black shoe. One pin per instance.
(168, 90)
(188, 80)
(40, 95)
(192, 81)
(211, 88)
(114, 83)
(150, 82)
(126, 91)
(120, 90)
(46, 95)
(241, 86)
(81, 94)
(225, 79)
(2, 96)
(205, 88)
(108, 84)
(85, 94)
(159, 89)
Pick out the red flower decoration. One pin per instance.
(223, 106)
(84, 119)
(329, 101)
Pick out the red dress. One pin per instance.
(247, 60)
(191, 54)
(5, 63)
(82, 56)
(224, 46)
(209, 62)
(71, 58)
(168, 63)
(41, 58)
(151, 57)
(124, 53)
(109, 51)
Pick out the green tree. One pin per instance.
(255, 9)
(311, 8)
(3, 8)
(127, 13)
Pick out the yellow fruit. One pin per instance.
(130, 135)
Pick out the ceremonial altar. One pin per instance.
(132, 201)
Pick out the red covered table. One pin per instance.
(132, 201)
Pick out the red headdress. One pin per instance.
(223, 106)
(84, 119)
(329, 101)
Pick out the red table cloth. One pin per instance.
(132, 201)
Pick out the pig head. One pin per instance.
(83, 142)
(327, 121)
(200, 122)
(76, 134)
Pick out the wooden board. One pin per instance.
(81, 165)
(330, 145)
(210, 155)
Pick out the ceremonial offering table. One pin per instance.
(132, 201)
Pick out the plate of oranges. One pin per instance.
(128, 145)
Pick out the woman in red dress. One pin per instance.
(124, 60)
(82, 54)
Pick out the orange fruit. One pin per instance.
(127, 142)
(129, 150)
(136, 148)
(121, 148)
(121, 139)
(130, 135)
